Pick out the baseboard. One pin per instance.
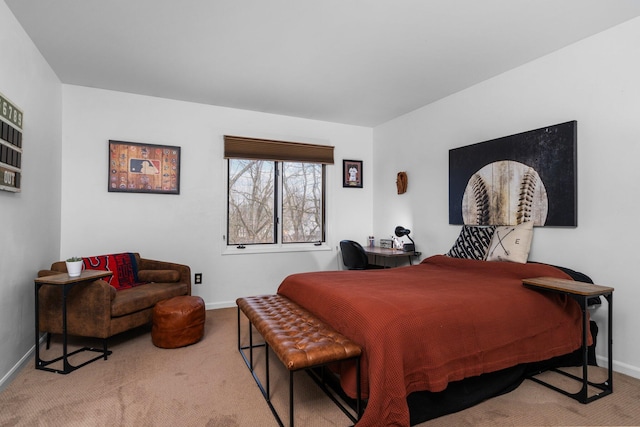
(224, 304)
(6, 380)
(623, 368)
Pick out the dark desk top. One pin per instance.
(386, 252)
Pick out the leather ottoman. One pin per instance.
(178, 321)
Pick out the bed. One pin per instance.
(428, 326)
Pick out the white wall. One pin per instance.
(594, 82)
(29, 220)
(188, 227)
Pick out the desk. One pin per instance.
(387, 254)
(67, 283)
(581, 292)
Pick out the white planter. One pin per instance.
(74, 268)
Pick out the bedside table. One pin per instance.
(581, 292)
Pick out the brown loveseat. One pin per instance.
(99, 310)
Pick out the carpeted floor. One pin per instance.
(207, 384)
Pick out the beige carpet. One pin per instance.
(207, 384)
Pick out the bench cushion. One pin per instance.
(297, 337)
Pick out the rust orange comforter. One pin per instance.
(443, 320)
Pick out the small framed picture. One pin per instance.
(144, 168)
(352, 173)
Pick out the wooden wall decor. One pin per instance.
(402, 181)
(530, 176)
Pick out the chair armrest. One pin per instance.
(184, 270)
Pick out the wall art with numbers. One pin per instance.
(11, 118)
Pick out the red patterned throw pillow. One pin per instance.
(123, 266)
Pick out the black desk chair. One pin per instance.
(354, 257)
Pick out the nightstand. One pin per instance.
(581, 292)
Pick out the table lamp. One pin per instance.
(407, 247)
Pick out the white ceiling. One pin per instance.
(359, 62)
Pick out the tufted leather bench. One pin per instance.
(298, 338)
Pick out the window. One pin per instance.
(276, 191)
(251, 202)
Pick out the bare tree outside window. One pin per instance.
(301, 202)
(251, 202)
(254, 200)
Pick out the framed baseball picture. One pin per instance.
(352, 173)
(143, 168)
(526, 177)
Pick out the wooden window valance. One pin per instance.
(237, 147)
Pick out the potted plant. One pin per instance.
(74, 266)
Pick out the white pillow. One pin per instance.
(511, 243)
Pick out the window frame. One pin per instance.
(279, 245)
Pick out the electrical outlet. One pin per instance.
(198, 279)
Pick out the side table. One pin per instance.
(581, 292)
(67, 283)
